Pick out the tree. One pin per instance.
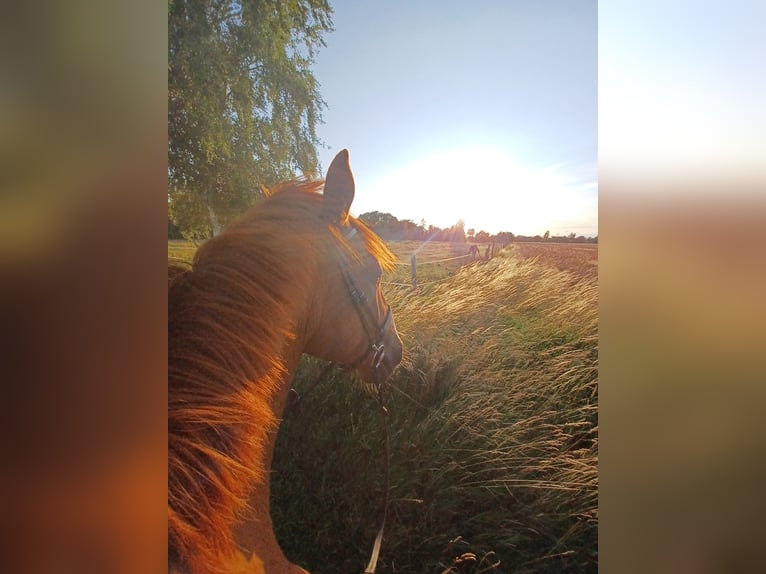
(470, 233)
(483, 237)
(504, 238)
(457, 232)
(173, 231)
(243, 103)
(378, 219)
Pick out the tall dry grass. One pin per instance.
(494, 435)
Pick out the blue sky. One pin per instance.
(482, 111)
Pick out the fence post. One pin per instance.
(413, 271)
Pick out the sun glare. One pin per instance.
(489, 190)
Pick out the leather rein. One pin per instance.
(377, 350)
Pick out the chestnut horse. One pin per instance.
(295, 274)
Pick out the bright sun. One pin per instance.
(488, 189)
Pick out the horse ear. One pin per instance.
(339, 188)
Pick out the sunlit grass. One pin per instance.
(434, 261)
(494, 434)
(180, 250)
(493, 421)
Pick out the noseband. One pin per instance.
(377, 352)
(375, 331)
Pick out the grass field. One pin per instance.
(493, 421)
(579, 258)
(179, 249)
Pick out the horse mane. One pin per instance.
(231, 316)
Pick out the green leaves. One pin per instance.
(243, 103)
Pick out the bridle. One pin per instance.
(375, 331)
(376, 348)
(377, 351)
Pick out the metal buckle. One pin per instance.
(377, 356)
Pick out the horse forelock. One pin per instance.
(298, 205)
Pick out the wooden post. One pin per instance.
(413, 271)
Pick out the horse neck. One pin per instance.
(236, 334)
(278, 315)
(255, 533)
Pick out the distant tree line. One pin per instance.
(548, 238)
(388, 227)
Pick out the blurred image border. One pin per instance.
(682, 272)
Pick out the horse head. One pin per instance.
(353, 323)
